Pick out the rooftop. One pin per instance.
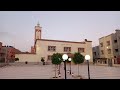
(64, 41)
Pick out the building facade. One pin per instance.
(32, 49)
(0, 51)
(96, 53)
(0, 46)
(110, 46)
(45, 48)
(7, 53)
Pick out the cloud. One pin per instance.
(8, 35)
(5, 34)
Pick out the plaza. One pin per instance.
(30, 71)
(26, 44)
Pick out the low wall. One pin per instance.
(2, 64)
(27, 57)
(116, 64)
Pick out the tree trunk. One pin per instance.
(78, 69)
(55, 70)
(59, 68)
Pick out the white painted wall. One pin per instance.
(27, 57)
(42, 48)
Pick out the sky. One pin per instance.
(17, 27)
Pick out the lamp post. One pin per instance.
(70, 64)
(65, 57)
(59, 67)
(108, 58)
(87, 57)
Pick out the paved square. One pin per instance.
(48, 71)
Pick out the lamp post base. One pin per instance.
(88, 70)
(65, 68)
(55, 77)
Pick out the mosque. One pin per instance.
(45, 48)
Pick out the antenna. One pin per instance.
(38, 24)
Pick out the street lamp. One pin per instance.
(87, 57)
(70, 64)
(109, 58)
(59, 67)
(65, 57)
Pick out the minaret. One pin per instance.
(37, 35)
(37, 32)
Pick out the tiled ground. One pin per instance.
(47, 72)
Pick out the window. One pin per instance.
(108, 43)
(116, 50)
(51, 48)
(37, 30)
(109, 51)
(101, 44)
(102, 52)
(105, 62)
(67, 49)
(94, 53)
(81, 50)
(115, 41)
(49, 57)
(11, 56)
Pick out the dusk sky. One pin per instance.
(17, 27)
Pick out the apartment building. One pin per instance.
(7, 53)
(0, 46)
(110, 47)
(0, 50)
(96, 53)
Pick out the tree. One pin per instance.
(42, 60)
(56, 59)
(77, 59)
(16, 59)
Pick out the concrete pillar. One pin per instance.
(107, 61)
